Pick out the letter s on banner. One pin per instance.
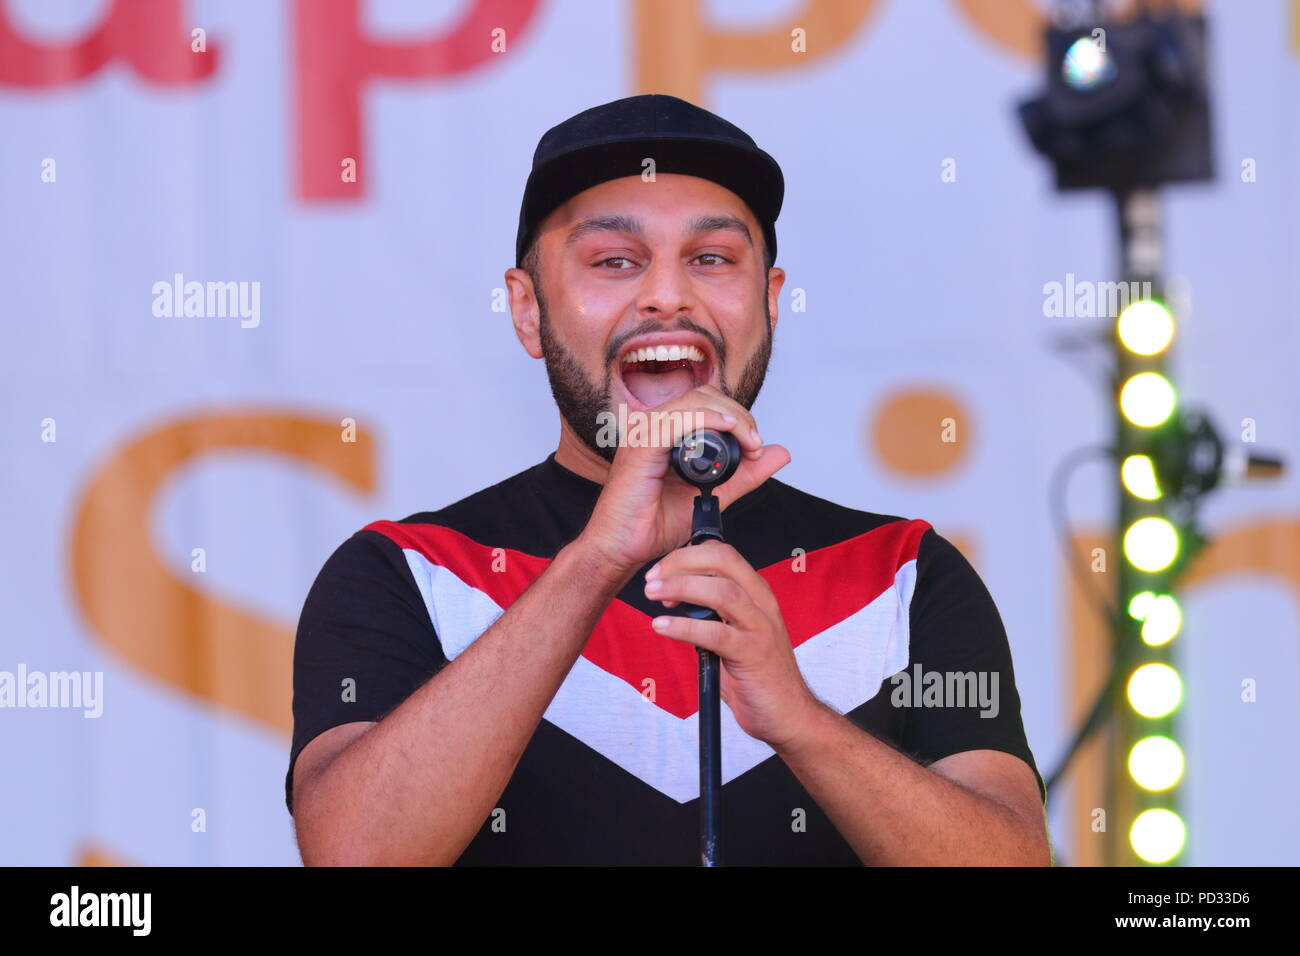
(146, 613)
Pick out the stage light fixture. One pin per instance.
(1125, 104)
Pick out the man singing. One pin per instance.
(509, 680)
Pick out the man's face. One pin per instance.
(649, 289)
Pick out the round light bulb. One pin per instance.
(1147, 399)
(1146, 327)
(1156, 763)
(1154, 690)
(1157, 836)
(1151, 544)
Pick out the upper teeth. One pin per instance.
(664, 353)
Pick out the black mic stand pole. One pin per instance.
(706, 524)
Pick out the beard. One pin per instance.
(581, 400)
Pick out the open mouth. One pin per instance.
(654, 374)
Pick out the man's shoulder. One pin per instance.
(467, 513)
(822, 510)
(510, 514)
(788, 513)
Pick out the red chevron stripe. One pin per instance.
(815, 591)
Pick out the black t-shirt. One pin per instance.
(611, 775)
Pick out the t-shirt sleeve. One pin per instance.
(957, 633)
(364, 642)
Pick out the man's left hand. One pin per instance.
(761, 682)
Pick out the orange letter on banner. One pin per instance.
(1017, 25)
(145, 612)
(677, 49)
(149, 34)
(335, 61)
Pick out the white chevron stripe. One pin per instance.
(844, 666)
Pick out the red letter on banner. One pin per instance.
(148, 34)
(335, 61)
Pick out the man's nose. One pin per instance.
(665, 289)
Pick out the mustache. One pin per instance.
(684, 324)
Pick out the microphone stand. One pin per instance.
(706, 524)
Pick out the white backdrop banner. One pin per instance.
(252, 262)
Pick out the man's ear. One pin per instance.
(524, 311)
(775, 280)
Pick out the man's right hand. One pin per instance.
(645, 508)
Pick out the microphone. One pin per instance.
(706, 459)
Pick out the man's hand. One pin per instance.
(645, 508)
(761, 682)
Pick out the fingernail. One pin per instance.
(654, 587)
(661, 623)
(729, 419)
(652, 573)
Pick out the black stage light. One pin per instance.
(1126, 104)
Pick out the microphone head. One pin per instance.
(706, 458)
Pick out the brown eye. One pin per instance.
(614, 259)
(712, 255)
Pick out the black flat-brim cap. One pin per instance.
(613, 140)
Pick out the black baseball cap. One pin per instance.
(611, 141)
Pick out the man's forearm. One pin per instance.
(417, 786)
(895, 812)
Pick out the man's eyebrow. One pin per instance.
(634, 227)
(703, 224)
(618, 223)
